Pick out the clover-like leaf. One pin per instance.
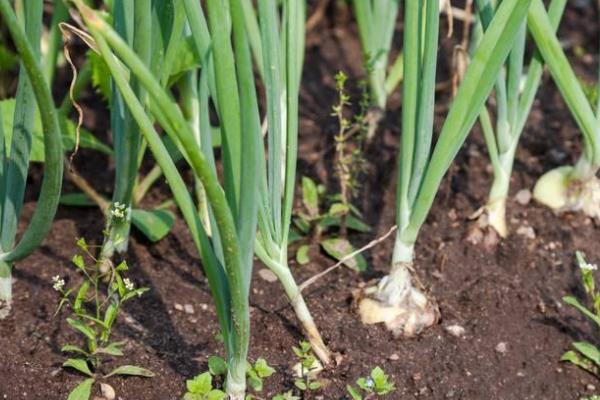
(201, 384)
(302, 254)
(381, 381)
(217, 366)
(263, 369)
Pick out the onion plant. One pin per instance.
(153, 30)
(376, 20)
(133, 21)
(396, 300)
(568, 188)
(15, 147)
(227, 253)
(278, 44)
(515, 90)
(283, 54)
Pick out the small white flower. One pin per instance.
(588, 267)
(58, 283)
(128, 284)
(118, 210)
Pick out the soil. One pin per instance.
(507, 298)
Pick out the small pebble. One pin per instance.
(501, 347)
(394, 357)
(523, 197)
(267, 275)
(526, 231)
(178, 307)
(107, 391)
(455, 330)
(452, 214)
(188, 308)
(204, 306)
(590, 387)
(474, 235)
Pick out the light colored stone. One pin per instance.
(526, 231)
(501, 348)
(178, 307)
(267, 275)
(523, 197)
(188, 308)
(107, 391)
(455, 330)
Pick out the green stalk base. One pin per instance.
(303, 314)
(235, 383)
(5, 289)
(495, 211)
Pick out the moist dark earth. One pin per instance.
(507, 297)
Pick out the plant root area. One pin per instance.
(503, 326)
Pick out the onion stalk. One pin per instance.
(14, 161)
(398, 301)
(568, 188)
(513, 103)
(376, 22)
(228, 252)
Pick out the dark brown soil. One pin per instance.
(509, 296)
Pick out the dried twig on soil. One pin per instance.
(350, 256)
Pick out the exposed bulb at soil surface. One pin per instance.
(559, 190)
(495, 212)
(396, 302)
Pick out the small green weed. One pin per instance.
(377, 383)
(95, 309)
